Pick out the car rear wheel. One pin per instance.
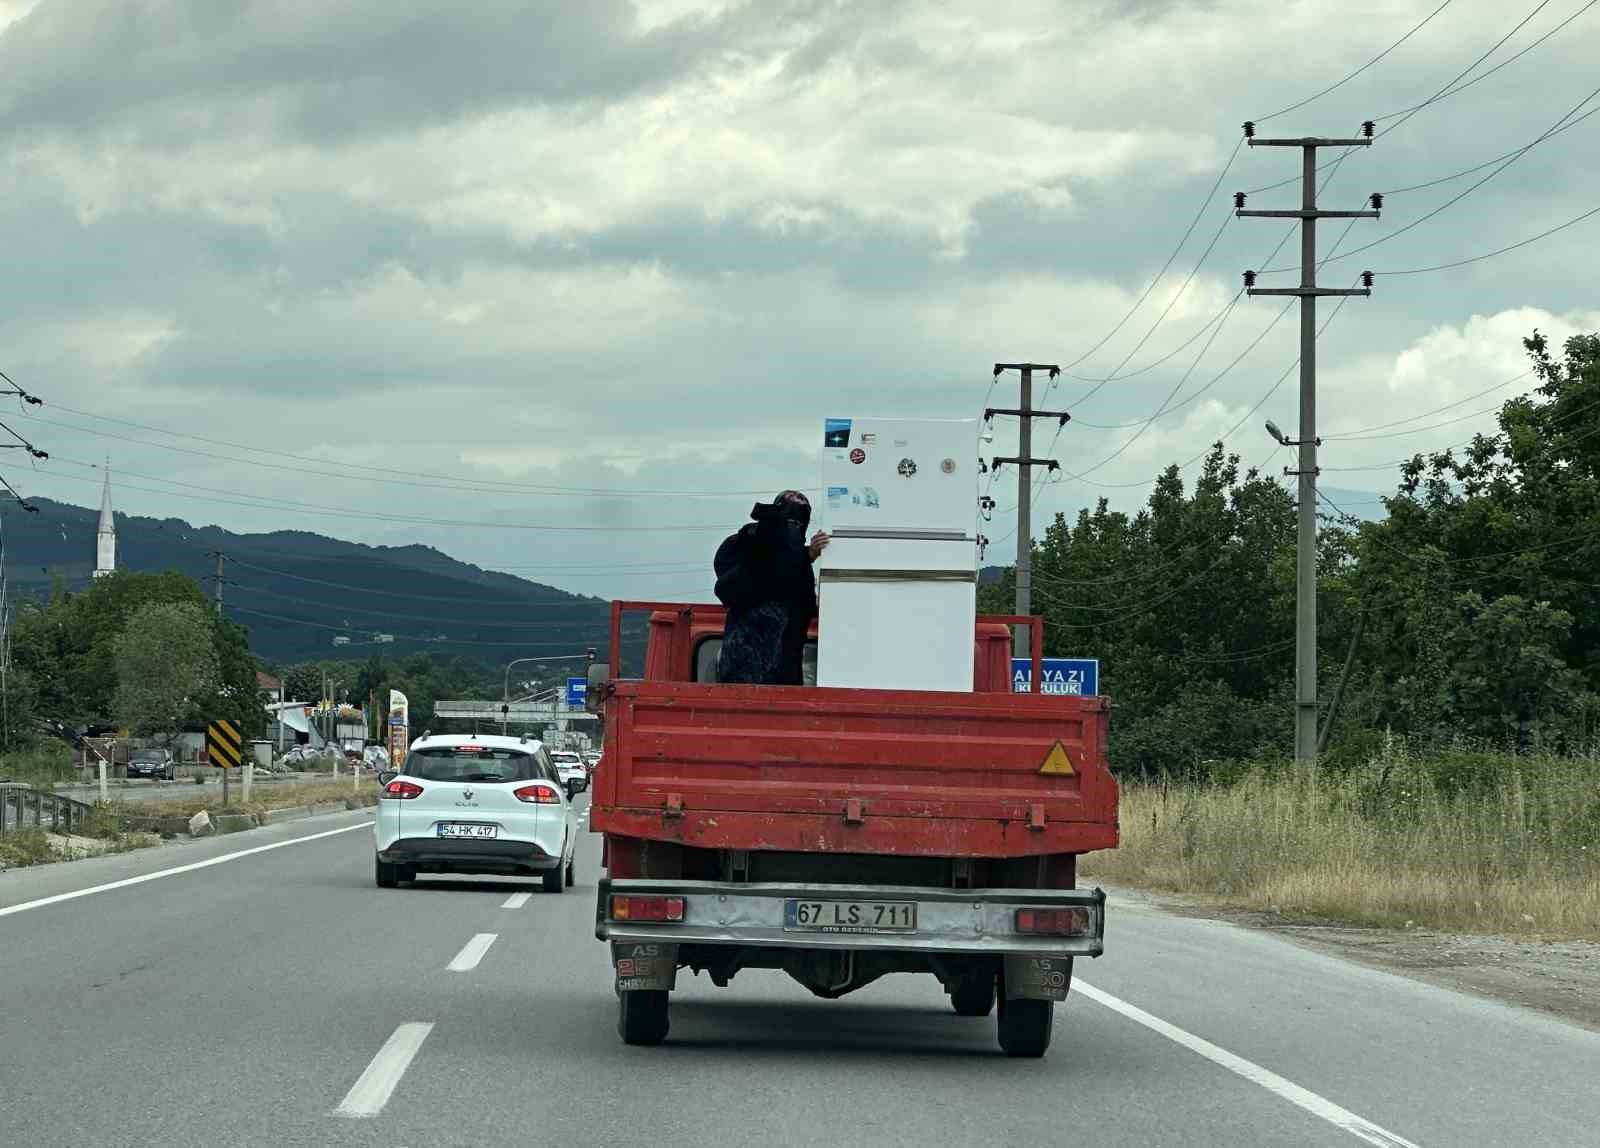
(642, 1016)
(974, 996)
(1024, 1026)
(554, 879)
(388, 876)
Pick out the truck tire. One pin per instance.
(642, 1016)
(1024, 1026)
(388, 876)
(973, 996)
(553, 879)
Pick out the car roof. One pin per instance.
(492, 740)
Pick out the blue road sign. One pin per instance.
(1079, 677)
(577, 692)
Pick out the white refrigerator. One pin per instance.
(898, 583)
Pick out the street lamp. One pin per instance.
(505, 688)
(1272, 429)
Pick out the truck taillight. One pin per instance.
(646, 909)
(1055, 922)
(537, 795)
(398, 790)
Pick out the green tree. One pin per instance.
(167, 668)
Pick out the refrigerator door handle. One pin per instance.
(846, 575)
(903, 535)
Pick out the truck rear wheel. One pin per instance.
(1024, 1026)
(642, 1016)
(973, 996)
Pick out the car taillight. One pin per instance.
(537, 795)
(398, 790)
(646, 909)
(1055, 922)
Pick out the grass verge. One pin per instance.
(1455, 840)
(39, 767)
(279, 795)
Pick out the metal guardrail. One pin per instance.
(23, 807)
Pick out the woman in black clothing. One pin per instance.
(764, 579)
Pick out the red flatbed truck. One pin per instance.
(842, 834)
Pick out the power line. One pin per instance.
(1184, 378)
(431, 640)
(1451, 202)
(1448, 90)
(1491, 162)
(520, 603)
(1165, 267)
(1359, 431)
(1499, 251)
(1342, 82)
(1493, 70)
(599, 609)
(460, 485)
(266, 503)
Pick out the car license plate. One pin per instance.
(466, 829)
(850, 916)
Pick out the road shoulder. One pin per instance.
(30, 883)
(1558, 977)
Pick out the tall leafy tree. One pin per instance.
(167, 669)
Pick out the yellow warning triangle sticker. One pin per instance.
(1057, 761)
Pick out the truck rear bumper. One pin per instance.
(973, 922)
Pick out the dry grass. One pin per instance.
(1470, 842)
(276, 795)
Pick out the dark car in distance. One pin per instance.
(152, 763)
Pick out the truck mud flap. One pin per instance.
(644, 965)
(1038, 978)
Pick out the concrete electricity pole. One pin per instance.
(221, 558)
(1305, 631)
(1025, 462)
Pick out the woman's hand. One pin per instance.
(819, 543)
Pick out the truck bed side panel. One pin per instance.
(872, 771)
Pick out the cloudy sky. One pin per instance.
(493, 268)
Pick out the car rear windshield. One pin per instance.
(458, 763)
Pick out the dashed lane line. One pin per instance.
(516, 900)
(467, 959)
(372, 1090)
(1319, 1106)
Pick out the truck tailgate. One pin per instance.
(856, 771)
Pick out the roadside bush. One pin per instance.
(43, 766)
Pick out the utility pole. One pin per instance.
(1305, 630)
(1025, 462)
(221, 558)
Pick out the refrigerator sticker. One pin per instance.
(868, 438)
(870, 496)
(836, 496)
(907, 467)
(858, 456)
(836, 432)
(948, 466)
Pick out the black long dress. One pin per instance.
(764, 579)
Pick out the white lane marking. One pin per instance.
(371, 1092)
(175, 870)
(467, 959)
(516, 900)
(1357, 1126)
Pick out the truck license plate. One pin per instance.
(465, 829)
(849, 916)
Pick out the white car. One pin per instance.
(479, 804)
(573, 774)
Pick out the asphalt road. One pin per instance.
(257, 999)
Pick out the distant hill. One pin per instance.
(297, 591)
